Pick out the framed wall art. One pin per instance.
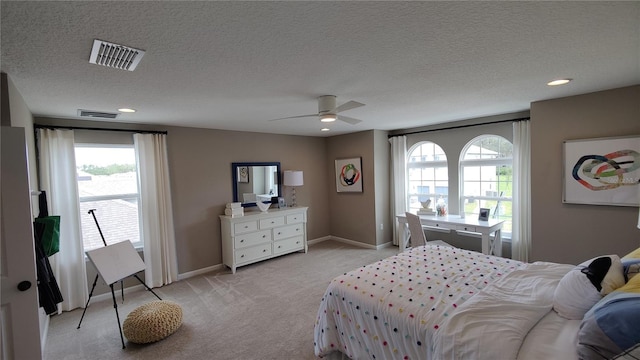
(349, 175)
(243, 174)
(602, 171)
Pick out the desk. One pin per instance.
(460, 224)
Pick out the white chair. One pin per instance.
(415, 229)
(418, 237)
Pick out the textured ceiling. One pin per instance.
(234, 65)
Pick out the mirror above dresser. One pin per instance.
(255, 181)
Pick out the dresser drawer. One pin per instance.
(271, 222)
(295, 218)
(245, 227)
(253, 253)
(254, 238)
(466, 228)
(288, 231)
(288, 245)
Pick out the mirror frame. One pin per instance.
(234, 175)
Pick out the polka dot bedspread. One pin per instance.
(391, 309)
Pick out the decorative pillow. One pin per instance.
(584, 286)
(631, 263)
(635, 254)
(631, 267)
(633, 286)
(611, 326)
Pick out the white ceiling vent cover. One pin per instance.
(97, 114)
(115, 56)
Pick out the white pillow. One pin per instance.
(576, 293)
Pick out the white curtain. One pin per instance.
(398, 183)
(156, 209)
(521, 236)
(58, 178)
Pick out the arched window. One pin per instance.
(428, 177)
(486, 178)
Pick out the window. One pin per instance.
(108, 183)
(486, 171)
(428, 177)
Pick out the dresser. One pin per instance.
(258, 236)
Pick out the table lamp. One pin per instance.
(293, 178)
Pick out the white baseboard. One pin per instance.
(193, 273)
(350, 242)
(107, 295)
(318, 240)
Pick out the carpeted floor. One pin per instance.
(264, 311)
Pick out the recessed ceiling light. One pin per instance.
(559, 82)
(127, 110)
(324, 129)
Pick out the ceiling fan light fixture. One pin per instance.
(328, 118)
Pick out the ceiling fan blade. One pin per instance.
(294, 117)
(349, 120)
(348, 106)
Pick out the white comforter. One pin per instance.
(435, 302)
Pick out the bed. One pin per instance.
(439, 302)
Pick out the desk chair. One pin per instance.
(418, 238)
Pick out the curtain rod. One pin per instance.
(460, 126)
(39, 126)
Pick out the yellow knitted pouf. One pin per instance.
(152, 322)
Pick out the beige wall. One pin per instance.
(200, 161)
(353, 215)
(573, 233)
(201, 182)
(200, 170)
(382, 170)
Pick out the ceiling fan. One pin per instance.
(328, 111)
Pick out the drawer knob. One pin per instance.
(242, 240)
(242, 255)
(264, 236)
(279, 246)
(279, 233)
(264, 250)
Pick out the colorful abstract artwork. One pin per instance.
(349, 175)
(604, 171)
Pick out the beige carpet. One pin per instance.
(264, 311)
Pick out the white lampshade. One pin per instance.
(293, 178)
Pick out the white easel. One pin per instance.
(114, 263)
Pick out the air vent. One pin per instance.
(97, 114)
(115, 56)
